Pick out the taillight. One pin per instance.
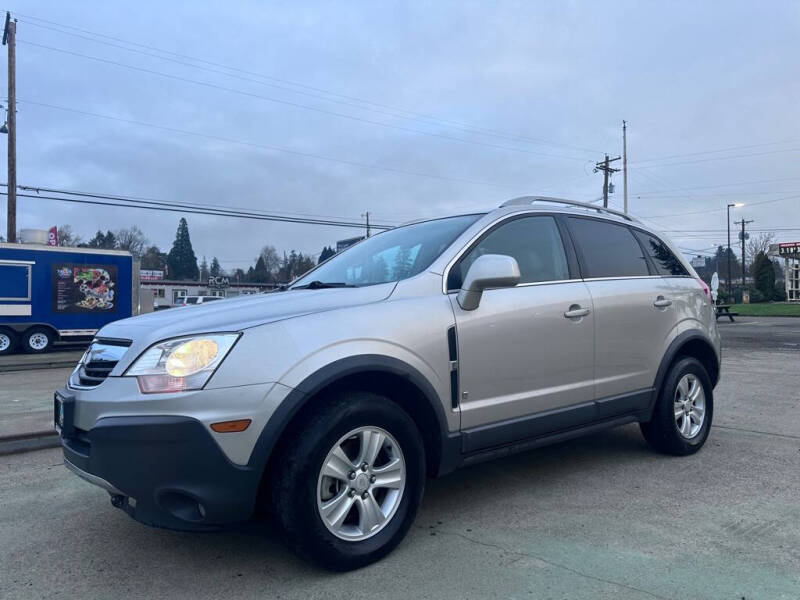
(706, 289)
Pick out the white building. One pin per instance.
(168, 293)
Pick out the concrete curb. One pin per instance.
(26, 442)
(30, 366)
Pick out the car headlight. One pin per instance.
(181, 364)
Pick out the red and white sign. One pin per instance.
(52, 236)
(789, 249)
(151, 275)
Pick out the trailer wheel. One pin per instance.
(37, 340)
(8, 341)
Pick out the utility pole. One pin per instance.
(625, 163)
(605, 167)
(743, 222)
(9, 39)
(366, 215)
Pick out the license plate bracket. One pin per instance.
(64, 413)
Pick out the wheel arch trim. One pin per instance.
(673, 350)
(328, 375)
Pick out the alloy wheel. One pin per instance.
(690, 406)
(361, 483)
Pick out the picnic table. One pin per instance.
(724, 310)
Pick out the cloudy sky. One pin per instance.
(405, 110)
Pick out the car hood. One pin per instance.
(239, 313)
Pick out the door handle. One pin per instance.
(575, 312)
(662, 302)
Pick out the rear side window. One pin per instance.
(667, 264)
(190, 300)
(608, 249)
(534, 242)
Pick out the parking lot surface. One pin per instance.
(599, 517)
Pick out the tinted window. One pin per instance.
(533, 241)
(665, 261)
(190, 300)
(609, 250)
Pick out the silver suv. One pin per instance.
(424, 348)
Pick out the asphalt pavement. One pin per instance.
(599, 517)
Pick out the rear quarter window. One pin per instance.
(665, 261)
(607, 249)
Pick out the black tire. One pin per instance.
(8, 341)
(294, 483)
(662, 431)
(35, 333)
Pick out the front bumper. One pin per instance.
(165, 471)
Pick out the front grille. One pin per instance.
(100, 359)
(94, 372)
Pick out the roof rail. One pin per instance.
(523, 200)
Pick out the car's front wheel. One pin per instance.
(349, 480)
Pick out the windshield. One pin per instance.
(389, 256)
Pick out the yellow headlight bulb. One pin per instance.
(191, 357)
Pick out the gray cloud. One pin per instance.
(689, 77)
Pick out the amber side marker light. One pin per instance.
(231, 426)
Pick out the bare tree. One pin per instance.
(66, 237)
(272, 262)
(758, 243)
(132, 239)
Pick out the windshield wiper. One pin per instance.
(318, 285)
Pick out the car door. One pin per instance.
(525, 355)
(633, 312)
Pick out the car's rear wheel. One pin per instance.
(37, 340)
(8, 340)
(684, 409)
(349, 480)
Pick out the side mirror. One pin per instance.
(488, 271)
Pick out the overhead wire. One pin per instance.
(308, 107)
(417, 115)
(264, 146)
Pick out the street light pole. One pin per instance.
(729, 251)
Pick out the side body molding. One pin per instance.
(449, 451)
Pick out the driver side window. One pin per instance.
(534, 242)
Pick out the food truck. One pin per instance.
(56, 294)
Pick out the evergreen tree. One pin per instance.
(326, 253)
(216, 269)
(204, 270)
(181, 260)
(260, 273)
(764, 275)
(107, 241)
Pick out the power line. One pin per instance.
(413, 114)
(715, 158)
(729, 149)
(218, 138)
(158, 201)
(245, 93)
(698, 212)
(216, 213)
(359, 104)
